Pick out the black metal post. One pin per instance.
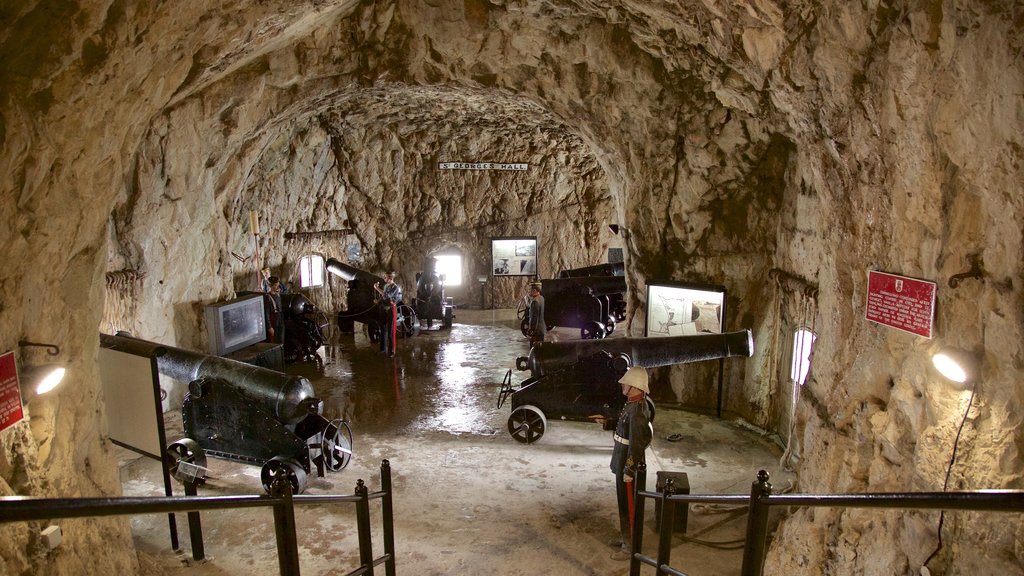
(363, 528)
(284, 525)
(387, 502)
(757, 526)
(636, 537)
(195, 526)
(668, 524)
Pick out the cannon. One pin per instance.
(251, 414)
(609, 269)
(305, 326)
(579, 379)
(591, 303)
(362, 306)
(305, 329)
(616, 300)
(430, 303)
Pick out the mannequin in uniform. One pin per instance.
(631, 438)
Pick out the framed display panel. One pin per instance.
(235, 324)
(131, 387)
(514, 256)
(682, 308)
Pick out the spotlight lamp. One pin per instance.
(955, 364)
(44, 377)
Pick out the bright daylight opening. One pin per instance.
(311, 271)
(803, 339)
(449, 267)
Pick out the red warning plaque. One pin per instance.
(10, 394)
(904, 303)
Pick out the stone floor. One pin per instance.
(468, 498)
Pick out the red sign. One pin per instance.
(904, 303)
(10, 393)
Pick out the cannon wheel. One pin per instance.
(650, 408)
(293, 471)
(506, 388)
(592, 331)
(523, 307)
(527, 424)
(609, 326)
(408, 324)
(186, 461)
(524, 327)
(336, 445)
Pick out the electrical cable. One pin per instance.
(949, 470)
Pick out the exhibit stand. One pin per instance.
(131, 387)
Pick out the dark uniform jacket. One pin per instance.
(632, 436)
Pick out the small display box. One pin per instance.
(681, 485)
(235, 324)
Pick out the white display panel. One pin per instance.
(514, 256)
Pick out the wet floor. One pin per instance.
(440, 380)
(469, 499)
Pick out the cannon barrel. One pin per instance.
(290, 398)
(351, 273)
(647, 352)
(609, 269)
(598, 285)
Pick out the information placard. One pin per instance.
(514, 256)
(10, 392)
(682, 308)
(903, 303)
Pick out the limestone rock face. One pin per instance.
(779, 148)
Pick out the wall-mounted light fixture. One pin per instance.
(964, 369)
(956, 365)
(42, 378)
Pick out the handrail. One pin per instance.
(761, 498)
(25, 509)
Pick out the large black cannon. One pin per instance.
(430, 302)
(251, 414)
(608, 269)
(579, 379)
(591, 303)
(362, 303)
(305, 329)
(305, 326)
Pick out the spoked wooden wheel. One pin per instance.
(289, 468)
(336, 445)
(527, 424)
(592, 331)
(186, 461)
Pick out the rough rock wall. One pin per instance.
(911, 166)
(886, 134)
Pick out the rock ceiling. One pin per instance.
(730, 139)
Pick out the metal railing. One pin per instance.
(281, 499)
(761, 499)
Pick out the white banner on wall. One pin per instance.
(482, 166)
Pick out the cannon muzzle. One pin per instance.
(288, 397)
(548, 357)
(349, 273)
